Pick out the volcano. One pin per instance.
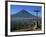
(22, 13)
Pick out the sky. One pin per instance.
(31, 9)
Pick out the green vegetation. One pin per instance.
(15, 25)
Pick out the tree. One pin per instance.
(37, 15)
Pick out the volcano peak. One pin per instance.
(23, 13)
